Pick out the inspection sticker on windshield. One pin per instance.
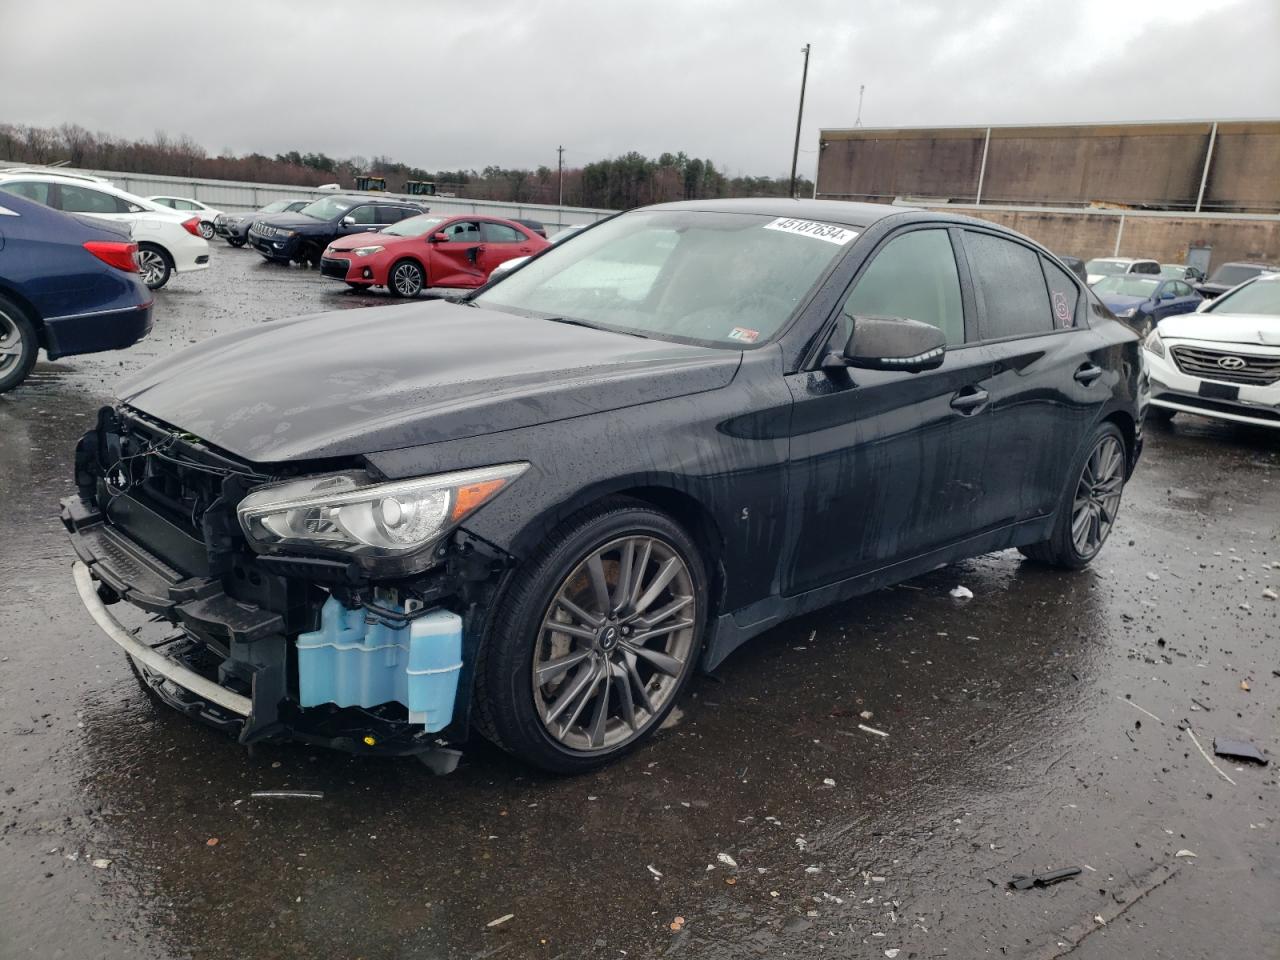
(808, 228)
(744, 335)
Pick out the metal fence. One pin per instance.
(237, 196)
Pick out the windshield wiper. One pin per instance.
(575, 322)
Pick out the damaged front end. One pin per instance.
(322, 604)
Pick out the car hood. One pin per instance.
(289, 221)
(352, 241)
(381, 378)
(1224, 327)
(1116, 302)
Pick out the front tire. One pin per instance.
(235, 242)
(594, 639)
(1089, 506)
(154, 265)
(18, 345)
(405, 279)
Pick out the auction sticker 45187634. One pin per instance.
(809, 228)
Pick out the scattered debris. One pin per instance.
(1143, 709)
(962, 593)
(211, 842)
(677, 924)
(1238, 750)
(731, 880)
(1153, 577)
(866, 714)
(1021, 881)
(287, 795)
(102, 863)
(879, 733)
(727, 860)
(828, 782)
(501, 920)
(1190, 733)
(1184, 853)
(657, 874)
(1244, 685)
(802, 843)
(892, 952)
(1269, 594)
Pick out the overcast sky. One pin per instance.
(449, 85)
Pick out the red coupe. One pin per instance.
(428, 251)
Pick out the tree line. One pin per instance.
(614, 183)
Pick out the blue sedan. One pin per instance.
(1145, 301)
(67, 284)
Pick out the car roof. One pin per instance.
(48, 172)
(367, 199)
(831, 211)
(1249, 263)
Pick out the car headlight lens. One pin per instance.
(287, 233)
(1154, 344)
(351, 513)
(366, 251)
(1126, 314)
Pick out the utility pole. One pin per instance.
(560, 172)
(795, 154)
(862, 88)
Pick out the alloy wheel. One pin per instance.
(10, 344)
(206, 229)
(407, 279)
(615, 643)
(1097, 499)
(151, 266)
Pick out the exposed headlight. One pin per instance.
(286, 233)
(366, 251)
(1126, 314)
(371, 521)
(1154, 343)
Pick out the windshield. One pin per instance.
(1108, 268)
(1229, 274)
(413, 226)
(1261, 296)
(1127, 286)
(327, 209)
(725, 279)
(276, 206)
(1173, 271)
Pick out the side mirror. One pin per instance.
(439, 238)
(891, 343)
(348, 221)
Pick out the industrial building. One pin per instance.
(1203, 191)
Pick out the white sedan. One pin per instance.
(168, 240)
(206, 213)
(1222, 361)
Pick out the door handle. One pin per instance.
(970, 400)
(1088, 373)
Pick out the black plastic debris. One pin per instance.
(1021, 881)
(1238, 750)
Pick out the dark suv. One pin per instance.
(302, 236)
(535, 512)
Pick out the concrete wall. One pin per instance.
(1164, 237)
(1152, 165)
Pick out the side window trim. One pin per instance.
(1080, 320)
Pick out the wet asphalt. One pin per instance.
(1041, 724)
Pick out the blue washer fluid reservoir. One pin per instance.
(352, 662)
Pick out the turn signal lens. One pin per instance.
(122, 256)
(192, 226)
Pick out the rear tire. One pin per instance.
(154, 265)
(18, 345)
(1089, 505)
(603, 690)
(206, 229)
(405, 279)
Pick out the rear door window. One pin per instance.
(83, 200)
(1148, 267)
(500, 233)
(912, 277)
(1064, 295)
(1013, 300)
(463, 231)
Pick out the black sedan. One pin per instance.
(302, 236)
(536, 512)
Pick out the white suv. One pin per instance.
(1222, 361)
(168, 241)
(1101, 267)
